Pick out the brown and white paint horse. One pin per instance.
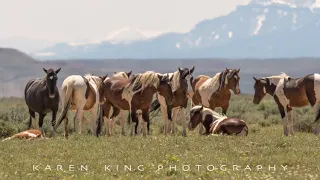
(28, 134)
(215, 92)
(180, 81)
(216, 123)
(133, 94)
(109, 122)
(80, 93)
(289, 93)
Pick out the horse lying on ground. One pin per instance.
(216, 123)
(28, 134)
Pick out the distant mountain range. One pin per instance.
(261, 29)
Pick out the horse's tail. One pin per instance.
(67, 99)
(100, 115)
(154, 106)
(129, 118)
(318, 115)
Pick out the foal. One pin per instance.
(42, 96)
(216, 123)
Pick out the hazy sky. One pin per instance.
(88, 20)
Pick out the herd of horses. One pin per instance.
(110, 97)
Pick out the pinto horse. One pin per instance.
(132, 94)
(109, 122)
(42, 97)
(180, 81)
(80, 93)
(215, 92)
(288, 93)
(216, 123)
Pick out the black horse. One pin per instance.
(42, 96)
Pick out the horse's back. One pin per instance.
(233, 126)
(198, 81)
(31, 88)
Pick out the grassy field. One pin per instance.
(263, 154)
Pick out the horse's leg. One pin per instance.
(290, 121)
(66, 126)
(122, 121)
(80, 119)
(94, 117)
(134, 119)
(164, 119)
(183, 121)
(106, 115)
(41, 117)
(75, 122)
(53, 121)
(284, 120)
(174, 118)
(31, 118)
(145, 120)
(115, 113)
(225, 109)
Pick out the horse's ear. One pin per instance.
(255, 79)
(46, 71)
(192, 69)
(238, 70)
(129, 73)
(114, 72)
(58, 70)
(180, 70)
(104, 77)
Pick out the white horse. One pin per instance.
(80, 93)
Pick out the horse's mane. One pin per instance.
(175, 82)
(96, 79)
(121, 75)
(140, 82)
(276, 78)
(209, 111)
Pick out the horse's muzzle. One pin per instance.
(237, 91)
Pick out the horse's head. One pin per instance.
(101, 87)
(186, 74)
(233, 80)
(195, 117)
(260, 89)
(51, 80)
(165, 88)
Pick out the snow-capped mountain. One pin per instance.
(263, 29)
